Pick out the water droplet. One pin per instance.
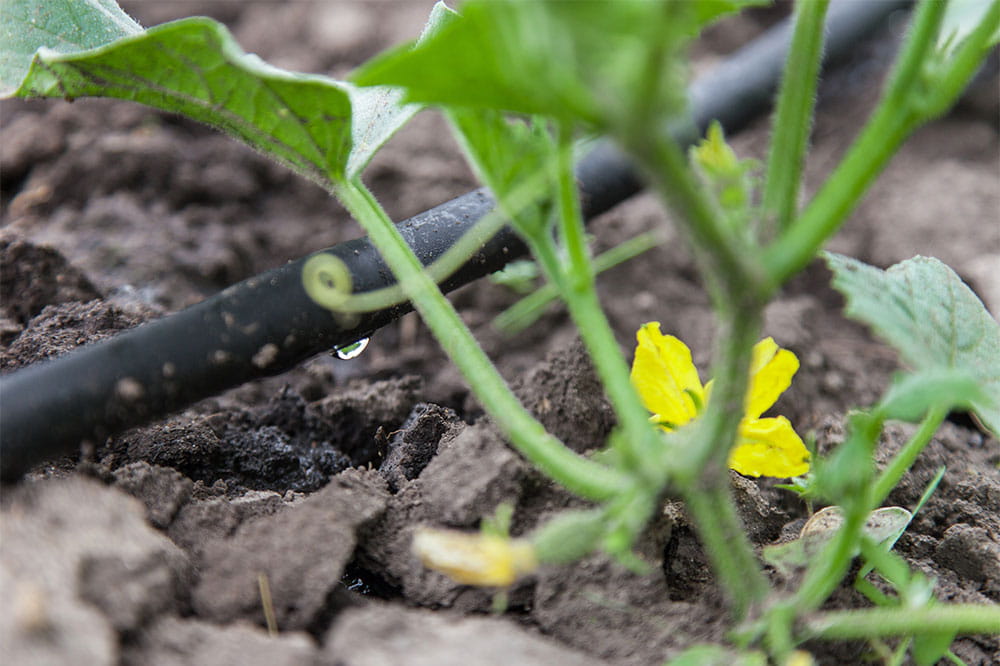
(353, 350)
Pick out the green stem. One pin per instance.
(523, 313)
(872, 622)
(641, 442)
(914, 54)
(708, 461)
(702, 472)
(827, 570)
(895, 470)
(571, 228)
(793, 114)
(733, 272)
(646, 109)
(879, 141)
(578, 474)
(899, 112)
(963, 64)
(725, 541)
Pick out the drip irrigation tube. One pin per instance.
(268, 324)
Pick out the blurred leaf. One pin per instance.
(519, 276)
(728, 179)
(960, 18)
(924, 310)
(62, 26)
(716, 655)
(912, 394)
(512, 157)
(929, 647)
(568, 60)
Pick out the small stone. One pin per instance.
(384, 634)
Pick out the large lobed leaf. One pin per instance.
(924, 310)
(324, 129)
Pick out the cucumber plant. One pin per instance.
(520, 84)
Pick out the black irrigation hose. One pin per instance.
(267, 324)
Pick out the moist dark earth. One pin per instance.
(151, 548)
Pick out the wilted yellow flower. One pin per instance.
(474, 558)
(669, 386)
(800, 658)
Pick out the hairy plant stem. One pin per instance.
(641, 443)
(952, 79)
(871, 622)
(840, 194)
(725, 541)
(904, 459)
(739, 289)
(702, 472)
(570, 220)
(793, 118)
(578, 474)
(902, 109)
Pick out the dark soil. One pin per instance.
(151, 547)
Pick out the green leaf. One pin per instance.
(924, 310)
(728, 180)
(912, 394)
(195, 67)
(512, 157)
(378, 111)
(519, 276)
(324, 129)
(929, 647)
(568, 60)
(62, 26)
(716, 655)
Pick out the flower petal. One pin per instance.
(663, 374)
(769, 447)
(771, 372)
(473, 558)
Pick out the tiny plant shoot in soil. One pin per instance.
(521, 83)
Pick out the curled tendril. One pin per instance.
(327, 281)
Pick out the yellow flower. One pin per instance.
(669, 386)
(475, 558)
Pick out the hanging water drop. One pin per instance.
(353, 350)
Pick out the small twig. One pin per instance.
(268, 604)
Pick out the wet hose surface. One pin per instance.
(267, 324)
